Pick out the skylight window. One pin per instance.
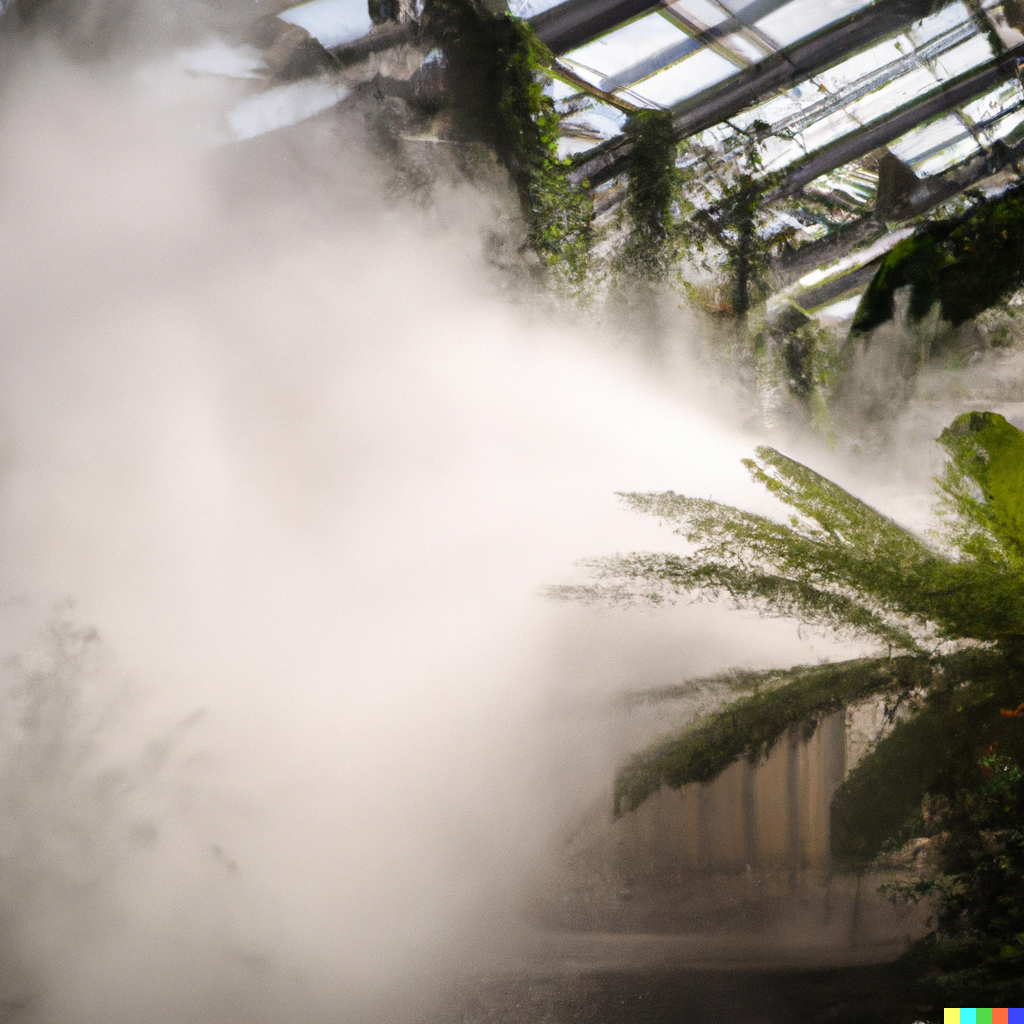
(1006, 97)
(998, 113)
(863, 64)
(892, 95)
(935, 25)
(942, 138)
(530, 8)
(611, 54)
(949, 157)
(702, 14)
(801, 18)
(964, 57)
(744, 47)
(682, 80)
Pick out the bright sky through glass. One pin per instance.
(626, 46)
(802, 17)
(683, 80)
(700, 13)
(331, 22)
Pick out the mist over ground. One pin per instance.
(281, 475)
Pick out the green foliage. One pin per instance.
(951, 771)
(979, 949)
(974, 829)
(983, 487)
(729, 225)
(494, 72)
(878, 805)
(750, 727)
(652, 246)
(837, 563)
(966, 265)
(805, 355)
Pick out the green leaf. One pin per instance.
(984, 485)
(751, 726)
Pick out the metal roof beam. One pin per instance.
(929, 193)
(571, 24)
(781, 70)
(881, 132)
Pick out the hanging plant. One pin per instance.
(965, 265)
(495, 74)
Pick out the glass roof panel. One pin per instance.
(1003, 127)
(588, 123)
(800, 18)
(559, 90)
(702, 13)
(1009, 35)
(825, 130)
(998, 113)
(778, 152)
(963, 57)
(863, 64)
(528, 8)
(937, 24)
(893, 95)
(992, 104)
(780, 108)
(928, 139)
(687, 78)
(744, 47)
(331, 22)
(949, 157)
(624, 47)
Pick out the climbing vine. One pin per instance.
(495, 75)
(726, 228)
(652, 245)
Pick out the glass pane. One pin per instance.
(624, 47)
(744, 47)
(864, 64)
(687, 78)
(827, 129)
(1003, 126)
(895, 94)
(963, 57)
(802, 17)
(992, 104)
(928, 139)
(950, 157)
(702, 13)
(939, 23)
(589, 123)
(331, 22)
(778, 152)
(528, 8)
(559, 90)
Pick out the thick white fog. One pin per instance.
(277, 439)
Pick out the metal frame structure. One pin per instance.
(831, 99)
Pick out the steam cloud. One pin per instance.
(282, 447)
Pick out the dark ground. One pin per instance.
(850, 995)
